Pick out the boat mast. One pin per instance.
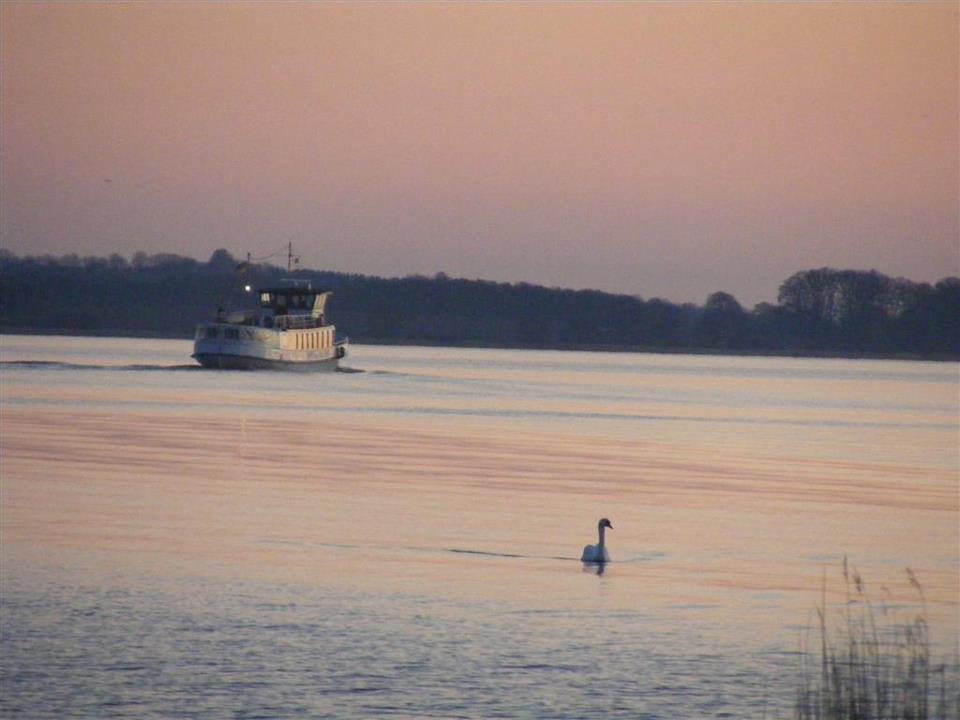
(291, 258)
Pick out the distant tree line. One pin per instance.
(822, 311)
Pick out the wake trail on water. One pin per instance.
(412, 548)
(59, 365)
(645, 558)
(636, 559)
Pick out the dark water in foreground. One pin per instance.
(238, 650)
(404, 541)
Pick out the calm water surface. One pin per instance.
(404, 541)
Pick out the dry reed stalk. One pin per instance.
(871, 671)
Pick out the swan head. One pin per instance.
(604, 523)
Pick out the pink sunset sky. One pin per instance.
(657, 149)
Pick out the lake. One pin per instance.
(404, 541)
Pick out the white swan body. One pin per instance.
(598, 553)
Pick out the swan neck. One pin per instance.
(601, 529)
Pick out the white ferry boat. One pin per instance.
(287, 331)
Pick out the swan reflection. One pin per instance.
(594, 568)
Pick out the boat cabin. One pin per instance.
(285, 308)
(293, 301)
(293, 307)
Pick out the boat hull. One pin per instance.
(226, 361)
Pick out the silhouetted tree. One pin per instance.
(723, 323)
(222, 261)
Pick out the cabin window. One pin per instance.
(231, 334)
(210, 333)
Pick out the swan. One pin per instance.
(598, 553)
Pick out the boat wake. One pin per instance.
(57, 365)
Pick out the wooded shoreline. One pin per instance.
(819, 313)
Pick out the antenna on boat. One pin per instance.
(291, 258)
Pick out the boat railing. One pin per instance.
(295, 322)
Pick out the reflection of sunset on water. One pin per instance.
(476, 476)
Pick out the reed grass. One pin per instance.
(865, 663)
